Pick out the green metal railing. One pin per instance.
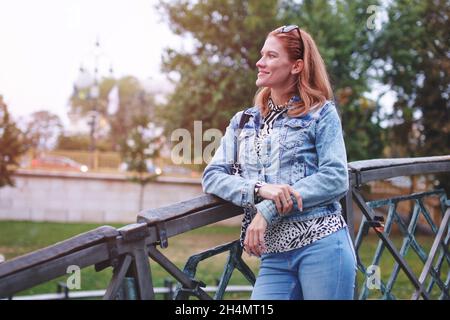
(409, 241)
(234, 261)
(363, 172)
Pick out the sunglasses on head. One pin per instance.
(289, 28)
(286, 29)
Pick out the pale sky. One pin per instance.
(43, 43)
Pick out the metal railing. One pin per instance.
(362, 172)
(127, 250)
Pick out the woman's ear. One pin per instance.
(297, 67)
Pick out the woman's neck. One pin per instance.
(279, 97)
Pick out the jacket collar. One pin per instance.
(252, 111)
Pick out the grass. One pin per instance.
(402, 287)
(20, 237)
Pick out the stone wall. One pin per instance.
(88, 197)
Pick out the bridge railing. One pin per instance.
(127, 249)
(434, 275)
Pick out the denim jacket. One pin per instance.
(306, 152)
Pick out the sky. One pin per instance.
(43, 43)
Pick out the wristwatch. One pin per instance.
(258, 185)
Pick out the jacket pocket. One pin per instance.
(298, 171)
(294, 132)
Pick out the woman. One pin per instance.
(292, 170)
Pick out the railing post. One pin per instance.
(169, 285)
(347, 211)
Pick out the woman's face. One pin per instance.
(274, 67)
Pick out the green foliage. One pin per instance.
(12, 145)
(142, 143)
(43, 129)
(134, 100)
(415, 60)
(339, 30)
(415, 48)
(217, 77)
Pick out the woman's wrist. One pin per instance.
(258, 186)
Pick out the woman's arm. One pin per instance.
(218, 179)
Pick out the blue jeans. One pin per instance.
(322, 270)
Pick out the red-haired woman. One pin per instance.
(291, 171)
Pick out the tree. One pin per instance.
(12, 145)
(340, 31)
(413, 56)
(43, 130)
(218, 77)
(141, 145)
(415, 59)
(134, 100)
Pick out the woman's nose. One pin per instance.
(260, 63)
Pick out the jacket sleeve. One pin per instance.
(218, 179)
(330, 182)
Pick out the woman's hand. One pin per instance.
(281, 195)
(254, 237)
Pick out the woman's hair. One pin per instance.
(312, 82)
